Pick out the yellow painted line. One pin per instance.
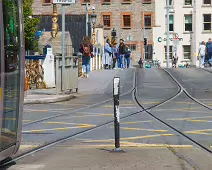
(109, 106)
(135, 145)
(197, 120)
(26, 120)
(149, 130)
(127, 104)
(184, 102)
(55, 129)
(131, 138)
(91, 115)
(195, 108)
(32, 110)
(190, 118)
(197, 133)
(28, 146)
(148, 121)
(37, 131)
(61, 128)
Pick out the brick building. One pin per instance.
(128, 17)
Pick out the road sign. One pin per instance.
(64, 1)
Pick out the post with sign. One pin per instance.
(63, 3)
(116, 93)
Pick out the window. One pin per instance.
(147, 21)
(105, 1)
(188, 22)
(146, 1)
(46, 2)
(12, 73)
(187, 51)
(86, 1)
(126, 20)
(206, 2)
(107, 21)
(126, 1)
(188, 2)
(170, 2)
(170, 52)
(171, 23)
(132, 47)
(207, 22)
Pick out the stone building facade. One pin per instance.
(132, 19)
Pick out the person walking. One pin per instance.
(122, 52)
(86, 48)
(108, 54)
(201, 54)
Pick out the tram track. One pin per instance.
(182, 90)
(143, 110)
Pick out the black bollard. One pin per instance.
(116, 93)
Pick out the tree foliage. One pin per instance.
(30, 26)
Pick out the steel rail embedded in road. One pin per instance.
(47, 145)
(168, 125)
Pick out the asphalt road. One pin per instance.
(153, 86)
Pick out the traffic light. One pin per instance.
(145, 41)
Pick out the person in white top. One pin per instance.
(201, 54)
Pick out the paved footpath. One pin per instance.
(97, 81)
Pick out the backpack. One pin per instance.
(86, 51)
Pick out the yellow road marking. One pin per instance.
(91, 115)
(190, 118)
(131, 138)
(55, 129)
(150, 130)
(191, 108)
(136, 145)
(137, 122)
(196, 120)
(33, 110)
(28, 146)
(184, 102)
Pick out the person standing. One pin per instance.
(86, 48)
(108, 54)
(127, 56)
(201, 54)
(209, 49)
(115, 55)
(122, 52)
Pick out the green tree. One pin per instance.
(30, 26)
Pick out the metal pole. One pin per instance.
(63, 46)
(86, 19)
(195, 31)
(116, 93)
(167, 32)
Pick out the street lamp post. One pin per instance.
(87, 9)
(93, 20)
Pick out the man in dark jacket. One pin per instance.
(122, 52)
(209, 49)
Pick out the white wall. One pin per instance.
(180, 11)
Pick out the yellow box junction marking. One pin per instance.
(141, 129)
(147, 121)
(200, 132)
(190, 118)
(130, 138)
(58, 129)
(139, 145)
(28, 146)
